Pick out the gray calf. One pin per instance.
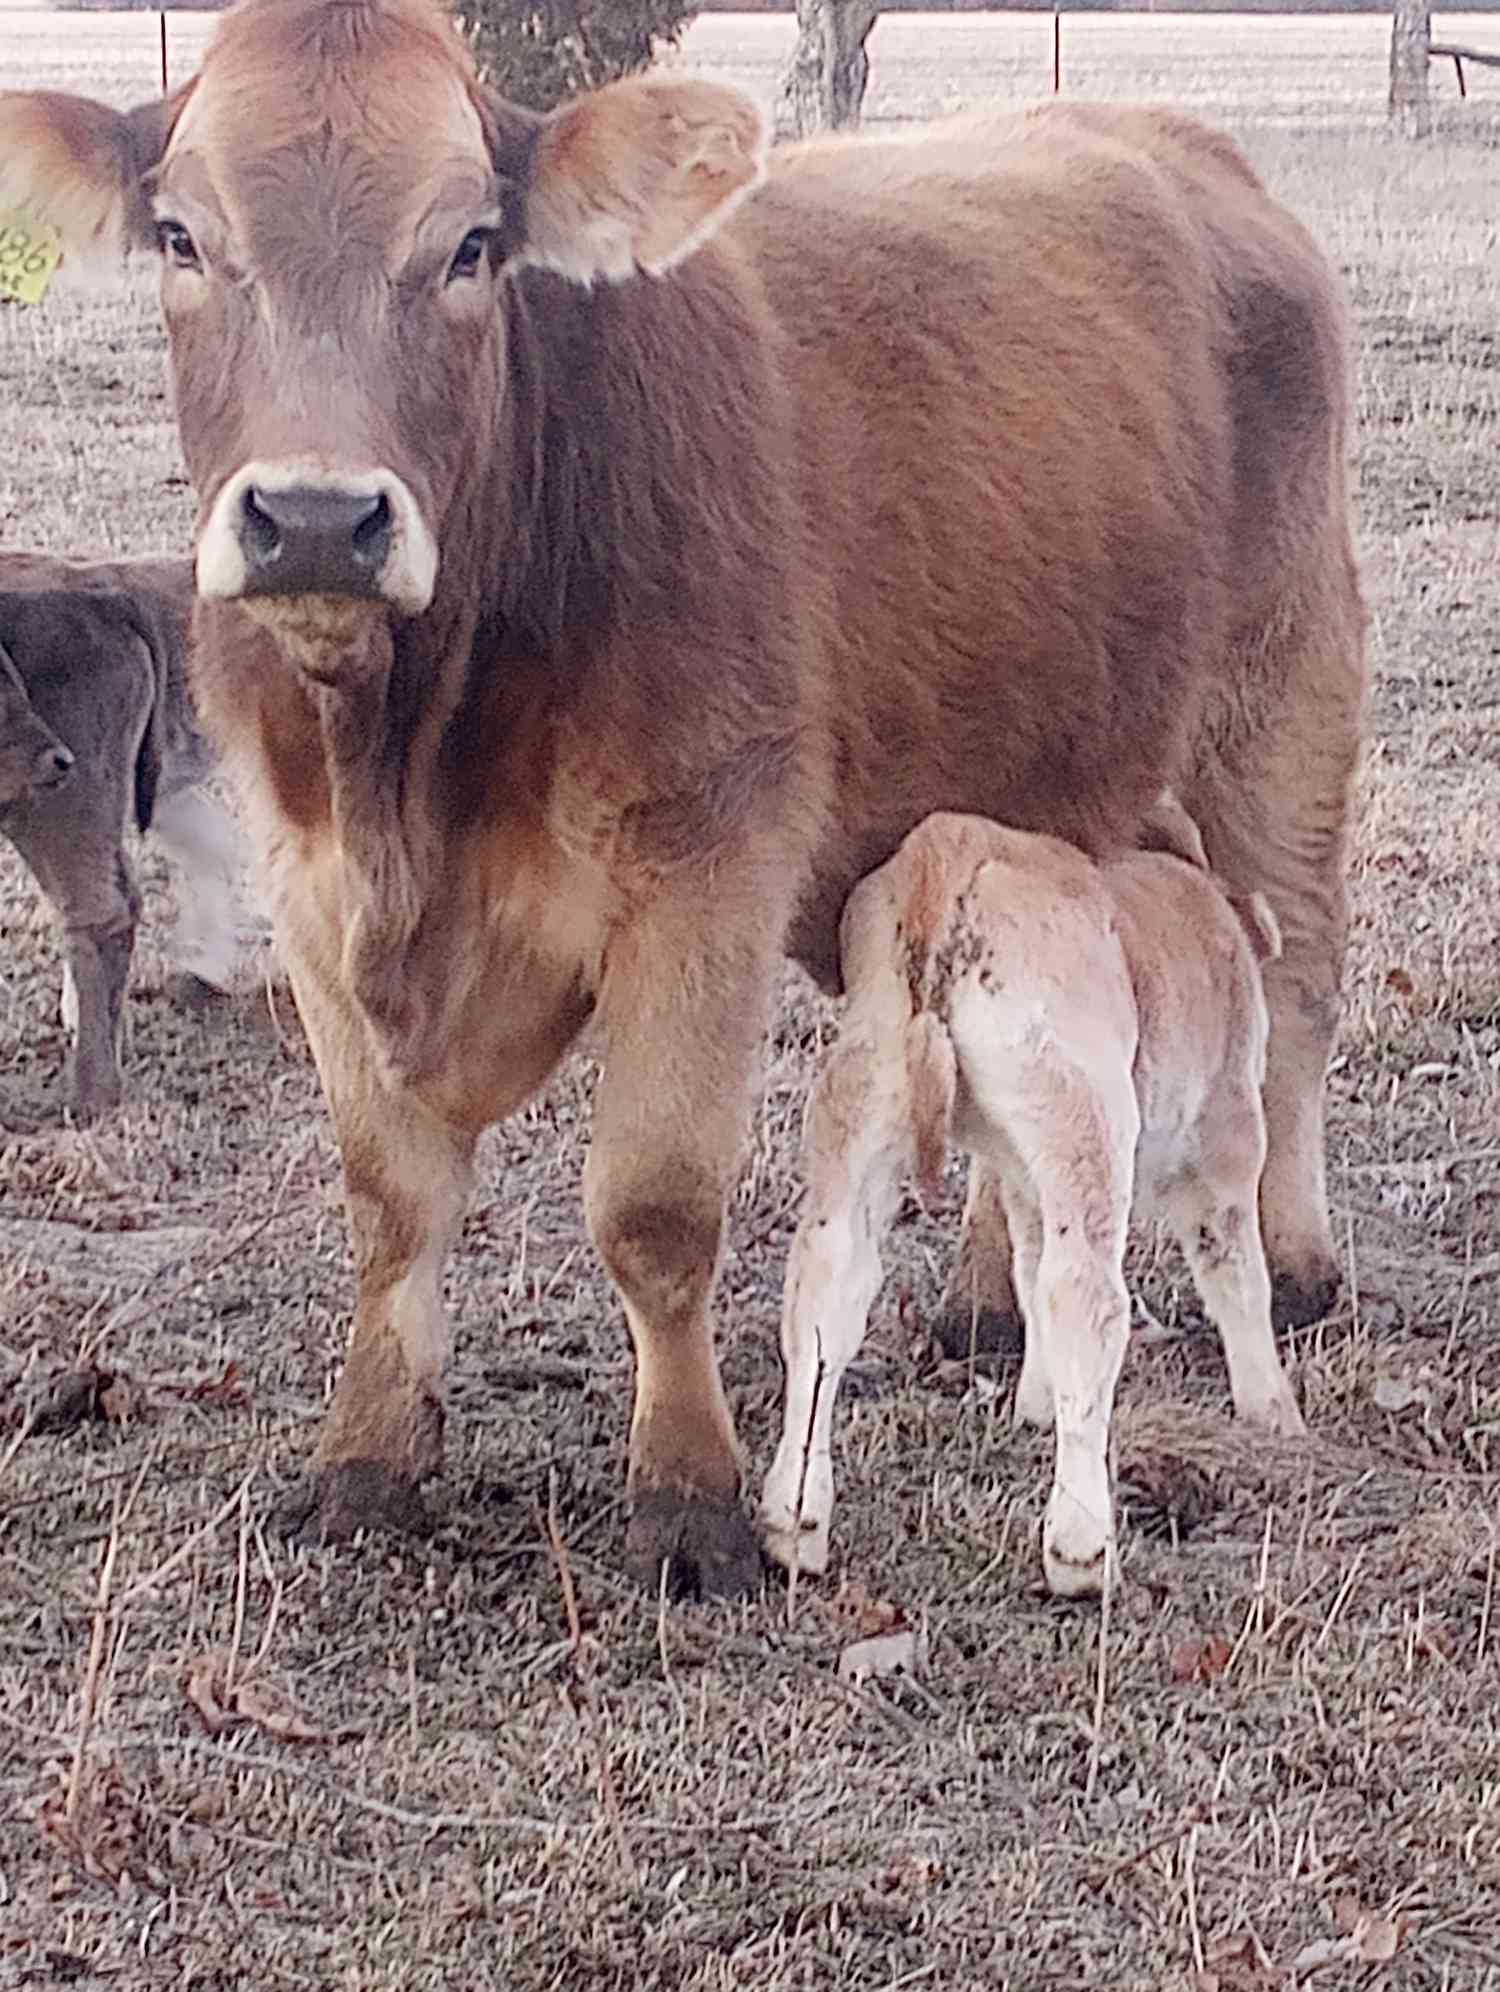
(97, 730)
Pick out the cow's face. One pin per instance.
(32, 758)
(336, 205)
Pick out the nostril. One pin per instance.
(259, 533)
(372, 536)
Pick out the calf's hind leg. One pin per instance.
(852, 1150)
(79, 863)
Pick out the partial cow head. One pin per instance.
(32, 758)
(338, 206)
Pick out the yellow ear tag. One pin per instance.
(30, 252)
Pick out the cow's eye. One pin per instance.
(470, 253)
(177, 245)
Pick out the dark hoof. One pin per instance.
(336, 1502)
(1299, 1303)
(992, 1332)
(708, 1546)
(195, 997)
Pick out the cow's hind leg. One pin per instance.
(1272, 802)
(682, 1009)
(979, 1313)
(407, 1176)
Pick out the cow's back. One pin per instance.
(1031, 458)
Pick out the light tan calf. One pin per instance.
(1097, 1035)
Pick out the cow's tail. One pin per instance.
(931, 1082)
(1262, 929)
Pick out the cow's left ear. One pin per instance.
(83, 167)
(637, 175)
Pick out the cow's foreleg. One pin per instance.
(407, 1176)
(682, 1030)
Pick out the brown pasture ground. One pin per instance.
(1275, 1760)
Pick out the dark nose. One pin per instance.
(53, 766)
(307, 541)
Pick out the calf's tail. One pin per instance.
(931, 1081)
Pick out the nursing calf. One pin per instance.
(97, 731)
(1097, 1036)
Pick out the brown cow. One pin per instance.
(601, 571)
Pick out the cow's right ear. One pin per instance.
(83, 167)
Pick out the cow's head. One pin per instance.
(32, 758)
(337, 203)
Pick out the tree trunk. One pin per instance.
(1411, 31)
(825, 85)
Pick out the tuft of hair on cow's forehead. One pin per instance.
(278, 75)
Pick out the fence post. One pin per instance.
(163, 20)
(1056, 50)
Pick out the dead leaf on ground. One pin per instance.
(1199, 1659)
(224, 1704)
(851, 1609)
(875, 1659)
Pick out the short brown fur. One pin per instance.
(997, 466)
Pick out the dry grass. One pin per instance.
(524, 1789)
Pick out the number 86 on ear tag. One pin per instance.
(30, 252)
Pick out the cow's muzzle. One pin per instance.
(297, 529)
(303, 541)
(53, 766)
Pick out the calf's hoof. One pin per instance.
(1298, 1301)
(1277, 1413)
(795, 1546)
(706, 1542)
(1074, 1568)
(992, 1331)
(334, 1503)
(91, 1099)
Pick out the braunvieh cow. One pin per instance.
(1098, 1035)
(95, 657)
(601, 569)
